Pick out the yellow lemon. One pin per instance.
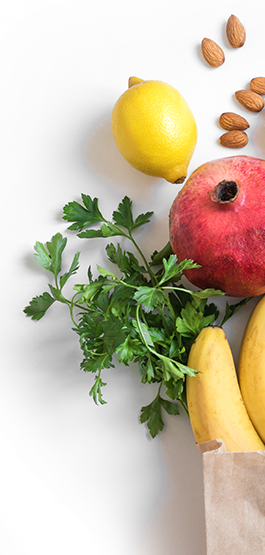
(154, 129)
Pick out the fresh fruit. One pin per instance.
(218, 220)
(231, 121)
(235, 32)
(215, 404)
(212, 52)
(251, 367)
(257, 85)
(234, 139)
(154, 129)
(250, 100)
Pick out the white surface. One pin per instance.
(76, 478)
(28, 508)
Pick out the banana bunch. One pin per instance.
(217, 408)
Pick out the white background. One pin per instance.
(76, 478)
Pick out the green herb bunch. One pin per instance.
(145, 315)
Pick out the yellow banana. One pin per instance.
(251, 367)
(214, 400)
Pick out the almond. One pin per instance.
(257, 85)
(250, 100)
(212, 53)
(234, 139)
(232, 121)
(235, 32)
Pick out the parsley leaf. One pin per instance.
(90, 234)
(38, 306)
(129, 350)
(113, 335)
(82, 216)
(96, 392)
(191, 321)
(89, 291)
(51, 256)
(124, 216)
(73, 269)
(126, 261)
(142, 219)
(158, 256)
(149, 296)
(152, 414)
(42, 256)
(173, 271)
(171, 408)
(230, 310)
(107, 230)
(106, 273)
(175, 388)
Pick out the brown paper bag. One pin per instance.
(234, 497)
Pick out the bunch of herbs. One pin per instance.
(144, 315)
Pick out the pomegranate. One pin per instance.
(218, 220)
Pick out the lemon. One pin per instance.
(154, 129)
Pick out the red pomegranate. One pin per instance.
(218, 220)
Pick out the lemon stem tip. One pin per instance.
(180, 180)
(134, 81)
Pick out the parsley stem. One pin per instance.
(170, 307)
(159, 389)
(183, 406)
(143, 315)
(148, 267)
(117, 280)
(179, 289)
(71, 305)
(130, 236)
(82, 307)
(71, 308)
(77, 305)
(162, 312)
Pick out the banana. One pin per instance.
(251, 367)
(215, 404)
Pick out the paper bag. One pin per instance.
(234, 498)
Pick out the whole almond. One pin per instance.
(257, 85)
(212, 53)
(250, 100)
(232, 121)
(234, 139)
(235, 32)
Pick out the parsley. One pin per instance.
(143, 315)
